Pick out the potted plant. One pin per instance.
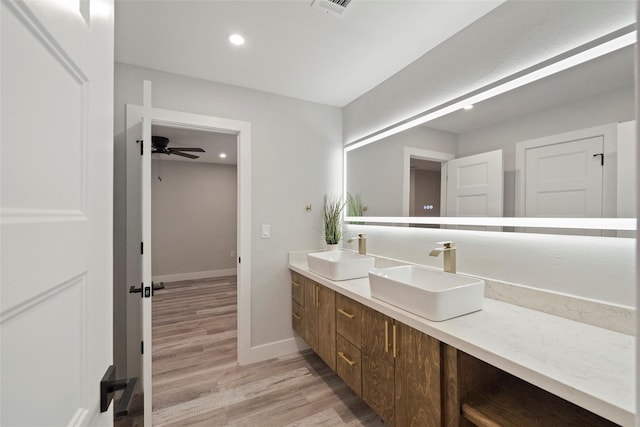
(332, 228)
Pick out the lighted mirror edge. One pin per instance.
(622, 224)
(609, 43)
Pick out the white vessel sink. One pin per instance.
(340, 265)
(431, 294)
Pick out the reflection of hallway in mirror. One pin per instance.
(425, 188)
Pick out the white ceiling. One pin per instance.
(291, 48)
(213, 143)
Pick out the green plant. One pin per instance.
(355, 207)
(332, 210)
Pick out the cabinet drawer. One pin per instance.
(297, 288)
(349, 319)
(348, 364)
(297, 318)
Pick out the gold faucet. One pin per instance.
(362, 243)
(449, 249)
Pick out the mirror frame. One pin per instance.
(611, 42)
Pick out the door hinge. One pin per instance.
(239, 260)
(141, 347)
(141, 142)
(141, 248)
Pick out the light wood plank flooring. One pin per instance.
(197, 382)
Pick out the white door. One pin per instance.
(56, 211)
(564, 180)
(475, 185)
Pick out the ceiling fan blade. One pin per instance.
(199, 150)
(189, 156)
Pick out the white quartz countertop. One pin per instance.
(587, 365)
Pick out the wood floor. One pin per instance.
(197, 382)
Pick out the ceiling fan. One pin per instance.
(159, 145)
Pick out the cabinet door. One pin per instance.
(378, 364)
(417, 379)
(311, 313)
(327, 325)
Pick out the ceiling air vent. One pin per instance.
(336, 7)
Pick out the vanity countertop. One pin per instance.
(587, 365)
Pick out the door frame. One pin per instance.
(242, 129)
(419, 153)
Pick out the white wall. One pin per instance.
(597, 268)
(296, 159)
(194, 217)
(515, 35)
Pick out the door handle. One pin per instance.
(156, 287)
(134, 290)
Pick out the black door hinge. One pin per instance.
(239, 260)
(141, 248)
(141, 347)
(141, 142)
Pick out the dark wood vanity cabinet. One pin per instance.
(297, 303)
(401, 372)
(349, 341)
(320, 321)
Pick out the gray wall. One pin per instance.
(376, 171)
(515, 35)
(194, 217)
(296, 159)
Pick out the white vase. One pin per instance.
(334, 247)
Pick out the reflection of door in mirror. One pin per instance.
(573, 174)
(424, 193)
(475, 185)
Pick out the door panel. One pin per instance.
(378, 364)
(475, 185)
(564, 180)
(56, 211)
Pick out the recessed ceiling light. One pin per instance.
(468, 107)
(236, 39)
(223, 156)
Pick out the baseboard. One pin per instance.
(195, 275)
(272, 350)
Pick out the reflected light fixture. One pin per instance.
(468, 107)
(223, 156)
(236, 39)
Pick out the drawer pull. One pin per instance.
(297, 317)
(349, 315)
(346, 359)
(395, 347)
(296, 284)
(386, 336)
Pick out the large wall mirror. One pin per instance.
(554, 154)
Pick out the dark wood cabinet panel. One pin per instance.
(349, 319)
(297, 288)
(327, 325)
(297, 319)
(311, 314)
(378, 364)
(417, 379)
(349, 364)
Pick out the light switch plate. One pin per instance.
(266, 231)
